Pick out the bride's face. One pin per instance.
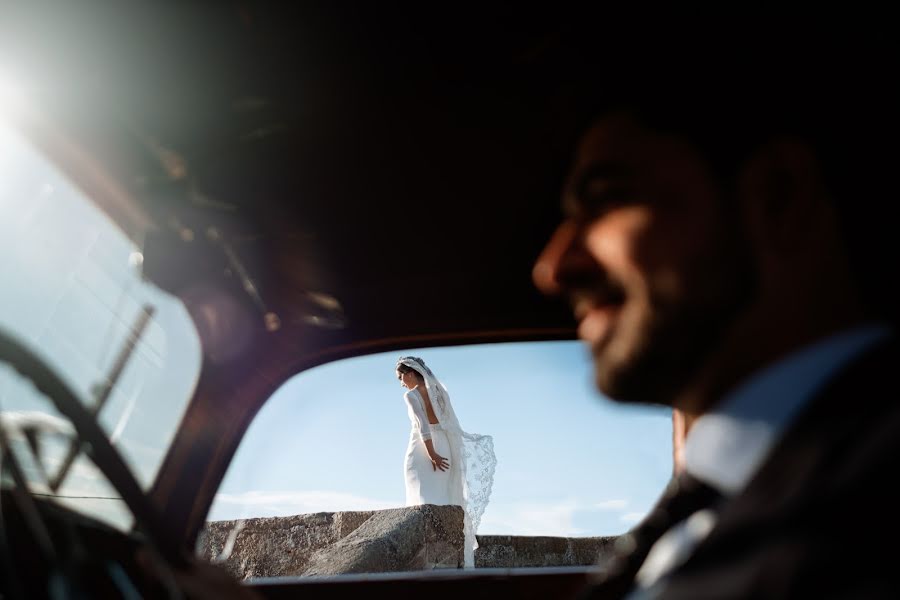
(408, 379)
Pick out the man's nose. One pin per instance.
(563, 258)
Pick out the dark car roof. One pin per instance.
(384, 177)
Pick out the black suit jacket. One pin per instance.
(821, 518)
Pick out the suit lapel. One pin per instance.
(810, 474)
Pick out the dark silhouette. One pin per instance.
(727, 252)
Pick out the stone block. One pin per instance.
(414, 538)
(411, 538)
(511, 551)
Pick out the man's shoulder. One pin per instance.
(863, 392)
(833, 466)
(844, 427)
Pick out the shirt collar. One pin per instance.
(726, 446)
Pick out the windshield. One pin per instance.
(74, 295)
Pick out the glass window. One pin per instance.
(570, 463)
(73, 294)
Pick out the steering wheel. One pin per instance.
(96, 445)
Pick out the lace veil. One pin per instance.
(472, 453)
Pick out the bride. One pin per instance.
(444, 464)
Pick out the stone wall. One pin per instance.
(402, 539)
(509, 551)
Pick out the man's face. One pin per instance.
(650, 256)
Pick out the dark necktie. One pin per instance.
(682, 497)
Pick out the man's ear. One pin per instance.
(783, 195)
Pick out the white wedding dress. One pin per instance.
(424, 483)
(468, 480)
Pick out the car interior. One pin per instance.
(274, 168)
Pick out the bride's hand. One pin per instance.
(439, 462)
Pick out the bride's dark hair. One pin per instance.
(406, 369)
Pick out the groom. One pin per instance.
(724, 253)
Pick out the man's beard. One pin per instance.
(667, 346)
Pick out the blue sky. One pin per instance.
(570, 461)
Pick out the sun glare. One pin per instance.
(12, 94)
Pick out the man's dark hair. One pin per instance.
(728, 91)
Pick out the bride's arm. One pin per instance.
(437, 461)
(414, 399)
